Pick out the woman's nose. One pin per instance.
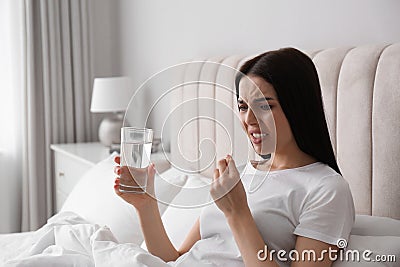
(250, 117)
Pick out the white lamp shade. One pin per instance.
(111, 94)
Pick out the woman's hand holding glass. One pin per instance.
(227, 189)
(139, 201)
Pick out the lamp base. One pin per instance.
(110, 130)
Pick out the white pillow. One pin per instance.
(184, 210)
(378, 245)
(375, 226)
(94, 199)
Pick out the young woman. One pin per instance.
(291, 210)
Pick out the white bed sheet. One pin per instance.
(69, 240)
(12, 244)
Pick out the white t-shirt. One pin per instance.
(311, 201)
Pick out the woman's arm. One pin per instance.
(157, 240)
(155, 236)
(324, 253)
(249, 239)
(312, 253)
(228, 192)
(192, 237)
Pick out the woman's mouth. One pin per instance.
(257, 138)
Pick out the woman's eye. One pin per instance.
(242, 108)
(265, 107)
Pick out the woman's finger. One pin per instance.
(151, 171)
(117, 170)
(222, 166)
(216, 174)
(231, 164)
(116, 190)
(117, 159)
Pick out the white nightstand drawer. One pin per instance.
(71, 162)
(68, 172)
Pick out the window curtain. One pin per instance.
(55, 95)
(10, 152)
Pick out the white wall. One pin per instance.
(104, 25)
(153, 35)
(104, 43)
(156, 34)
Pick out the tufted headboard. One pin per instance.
(361, 95)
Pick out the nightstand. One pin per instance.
(71, 161)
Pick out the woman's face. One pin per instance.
(262, 116)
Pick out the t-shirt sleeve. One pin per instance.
(328, 211)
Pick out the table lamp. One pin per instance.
(111, 95)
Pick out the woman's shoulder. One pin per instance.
(319, 170)
(329, 182)
(322, 178)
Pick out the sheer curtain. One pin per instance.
(51, 97)
(10, 132)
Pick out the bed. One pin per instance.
(361, 94)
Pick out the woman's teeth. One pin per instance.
(256, 135)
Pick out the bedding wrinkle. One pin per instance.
(69, 240)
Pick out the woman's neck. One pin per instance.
(284, 161)
(290, 158)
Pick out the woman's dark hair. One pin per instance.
(295, 80)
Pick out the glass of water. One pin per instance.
(135, 159)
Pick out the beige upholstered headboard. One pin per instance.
(361, 94)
